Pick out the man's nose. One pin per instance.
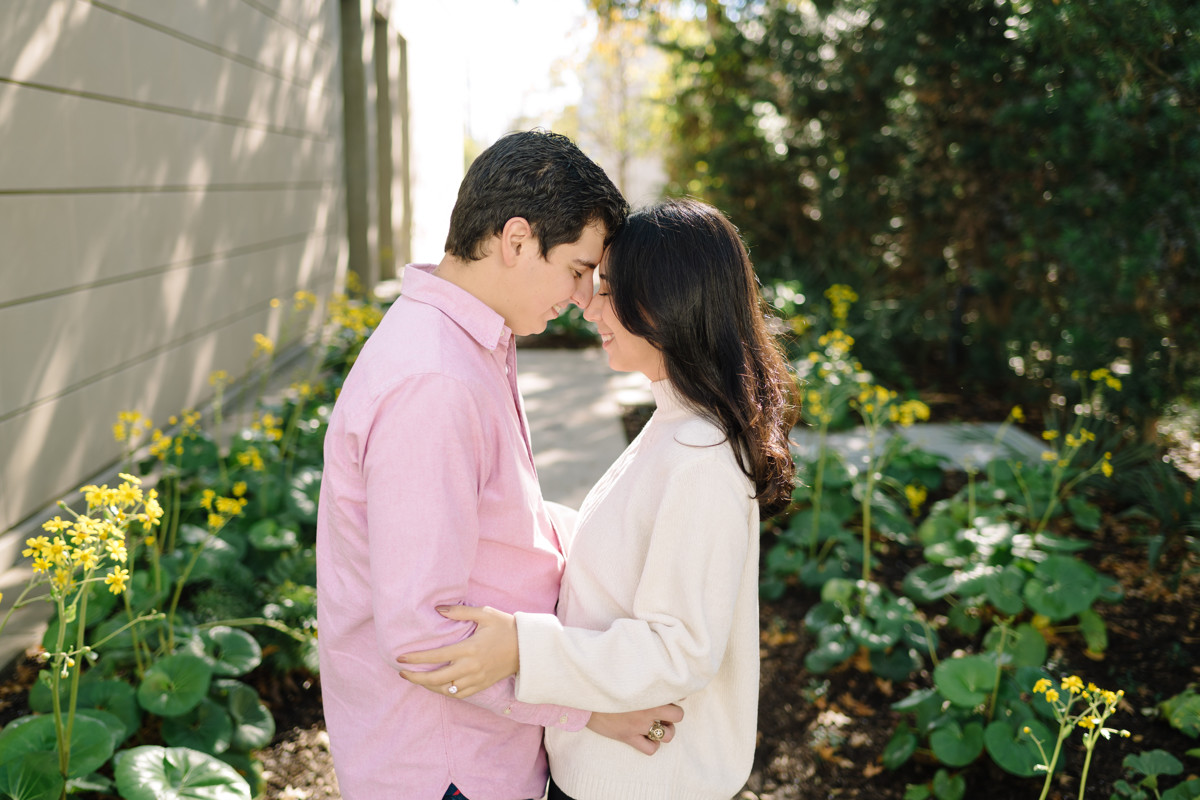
(583, 292)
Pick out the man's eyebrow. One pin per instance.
(583, 262)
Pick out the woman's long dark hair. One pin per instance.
(679, 276)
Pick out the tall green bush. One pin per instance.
(1013, 186)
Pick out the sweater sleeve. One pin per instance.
(683, 606)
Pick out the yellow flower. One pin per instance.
(116, 549)
(37, 545)
(1051, 696)
(239, 489)
(206, 499)
(41, 565)
(275, 302)
(57, 552)
(62, 580)
(1113, 383)
(230, 506)
(263, 345)
(1087, 435)
(86, 558)
(215, 521)
(1109, 697)
(1099, 374)
(1089, 722)
(1017, 413)
(119, 431)
(1048, 456)
(55, 525)
(219, 376)
(1042, 685)
(1049, 436)
(117, 579)
(916, 496)
(1073, 684)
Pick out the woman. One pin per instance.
(659, 599)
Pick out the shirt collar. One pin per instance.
(470, 313)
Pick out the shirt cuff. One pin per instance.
(500, 698)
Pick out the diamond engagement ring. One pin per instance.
(453, 689)
(657, 732)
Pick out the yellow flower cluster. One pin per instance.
(916, 496)
(1101, 375)
(303, 389)
(909, 412)
(263, 345)
(130, 425)
(221, 509)
(268, 425)
(358, 318)
(1101, 703)
(251, 458)
(86, 541)
(303, 299)
(218, 377)
(841, 297)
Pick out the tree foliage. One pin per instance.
(1014, 186)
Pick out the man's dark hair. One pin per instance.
(538, 175)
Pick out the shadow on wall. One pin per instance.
(168, 170)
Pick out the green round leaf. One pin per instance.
(111, 722)
(206, 728)
(1153, 762)
(823, 615)
(1024, 646)
(966, 681)
(1188, 790)
(174, 685)
(947, 786)
(896, 664)
(900, 747)
(1003, 590)
(91, 742)
(1014, 750)
(151, 772)
(929, 582)
(957, 746)
(31, 776)
(1061, 587)
(828, 655)
(268, 535)
(1095, 632)
(231, 651)
(117, 698)
(253, 724)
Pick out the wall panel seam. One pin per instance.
(296, 27)
(200, 333)
(281, 130)
(162, 269)
(173, 188)
(200, 43)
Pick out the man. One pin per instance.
(430, 496)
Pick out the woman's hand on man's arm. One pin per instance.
(487, 656)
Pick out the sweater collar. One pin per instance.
(667, 398)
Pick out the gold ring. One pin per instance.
(657, 732)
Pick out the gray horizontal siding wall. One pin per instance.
(167, 167)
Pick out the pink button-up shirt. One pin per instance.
(429, 497)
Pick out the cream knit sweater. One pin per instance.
(659, 604)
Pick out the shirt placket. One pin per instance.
(510, 369)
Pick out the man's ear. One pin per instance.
(515, 238)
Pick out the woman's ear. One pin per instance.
(516, 237)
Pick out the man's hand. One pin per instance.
(487, 656)
(631, 727)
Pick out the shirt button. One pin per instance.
(508, 710)
(563, 719)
